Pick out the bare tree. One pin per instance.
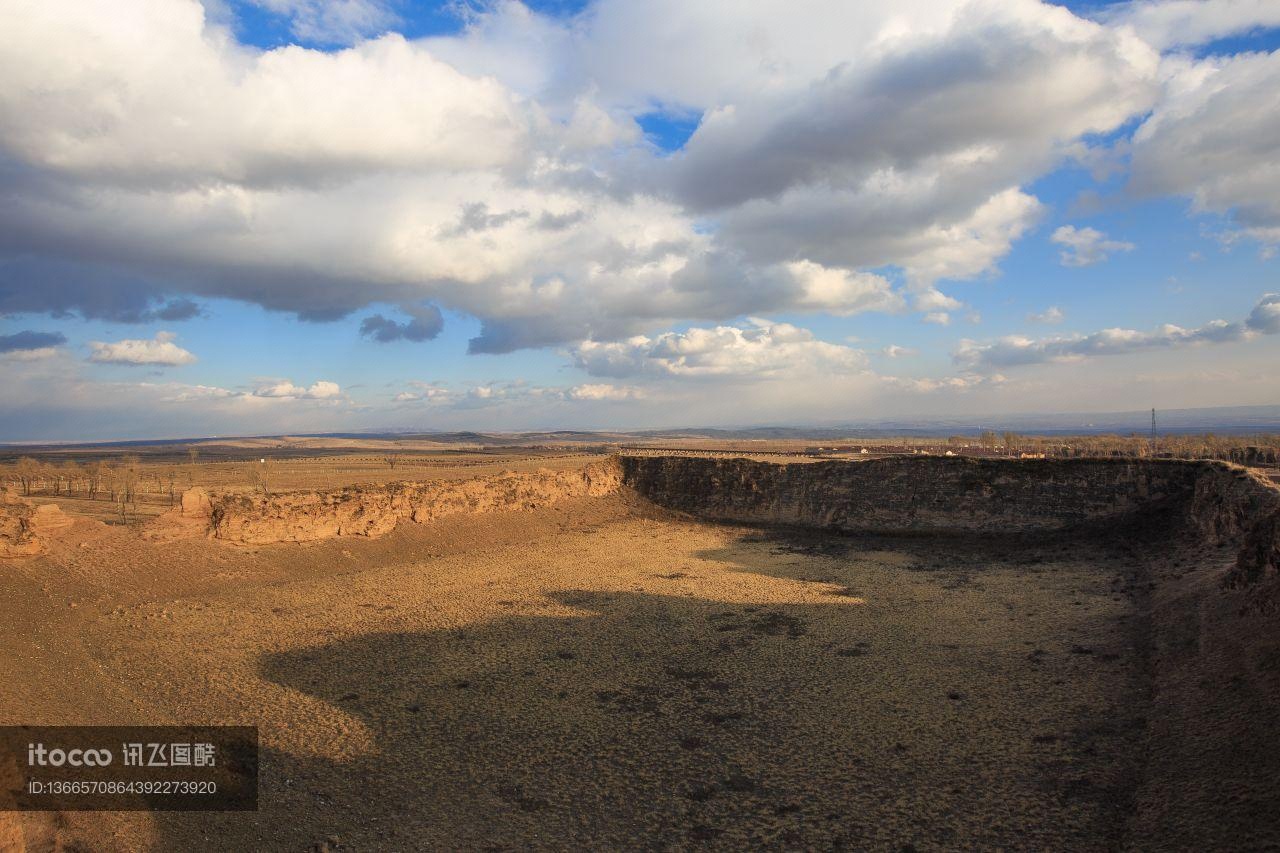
(127, 477)
(392, 459)
(1010, 442)
(72, 473)
(260, 477)
(101, 476)
(27, 470)
(126, 485)
(989, 440)
(193, 455)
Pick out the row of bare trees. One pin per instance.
(120, 481)
(1248, 449)
(1259, 450)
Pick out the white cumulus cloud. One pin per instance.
(284, 389)
(1051, 316)
(159, 351)
(762, 350)
(841, 291)
(603, 391)
(1083, 247)
(1215, 138)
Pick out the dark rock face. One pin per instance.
(904, 494)
(1258, 566)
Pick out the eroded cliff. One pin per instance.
(376, 510)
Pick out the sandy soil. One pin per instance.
(598, 674)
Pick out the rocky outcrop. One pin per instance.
(1245, 510)
(376, 510)
(1228, 501)
(16, 537)
(24, 528)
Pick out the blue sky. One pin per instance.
(632, 215)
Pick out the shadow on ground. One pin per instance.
(973, 693)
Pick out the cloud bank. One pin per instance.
(1014, 351)
(501, 172)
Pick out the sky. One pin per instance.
(281, 216)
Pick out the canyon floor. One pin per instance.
(603, 674)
